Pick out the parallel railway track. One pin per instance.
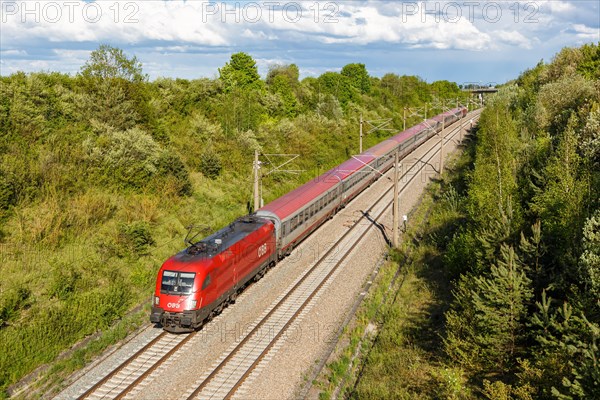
(229, 374)
(226, 377)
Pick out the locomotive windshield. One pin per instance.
(177, 282)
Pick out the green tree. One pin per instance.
(486, 320)
(446, 89)
(109, 62)
(240, 72)
(590, 258)
(559, 203)
(210, 163)
(408, 90)
(115, 88)
(337, 85)
(493, 185)
(358, 76)
(281, 86)
(567, 352)
(590, 65)
(290, 73)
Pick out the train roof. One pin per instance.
(292, 202)
(222, 239)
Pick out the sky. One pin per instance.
(469, 41)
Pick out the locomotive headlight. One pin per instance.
(193, 304)
(156, 300)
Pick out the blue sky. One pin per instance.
(462, 41)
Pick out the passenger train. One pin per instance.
(196, 283)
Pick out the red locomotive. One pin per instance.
(199, 281)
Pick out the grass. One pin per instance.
(394, 347)
(50, 379)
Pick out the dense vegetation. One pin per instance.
(510, 255)
(101, 172)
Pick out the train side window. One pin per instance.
(206, 282)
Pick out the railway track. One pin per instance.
(127, 376)
(228, 375)
(225, 378)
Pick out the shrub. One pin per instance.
(210, 163)
(12, 302)
(128, 158)
(63, 281)
(7, 195)
(169, 164)
(134, 238)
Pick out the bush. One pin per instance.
(12, 302)
(169, 164)
(128, 158)
(63, 282)
(7, 193)
(210, 163)
(134, 238)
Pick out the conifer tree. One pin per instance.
(487, 316)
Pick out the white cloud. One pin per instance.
(210, 24)
(586, 33)
(559, 6)
(513, 38)
(191, 30)
(13, 52)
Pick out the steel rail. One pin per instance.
(121, 366)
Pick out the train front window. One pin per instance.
(174, 282)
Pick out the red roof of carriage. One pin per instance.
(294, 201)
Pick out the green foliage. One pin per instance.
(485, 323)
(499, 390)
(128, 157)
(7, 194)
(358, 76)
(446, 89)
(560, 200)
(568, 342)
(170, 165)
(494, 179)
(134, 238)
(452, 384)
(282, 85)
(210, 163)
(557, 100)
(590, 258)
(590, 63)
(109, 62)
(536, 165)
(12, 302)
(338, 87)
(589, 142)
(406, 90)
(289, 73)
(240, 73)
